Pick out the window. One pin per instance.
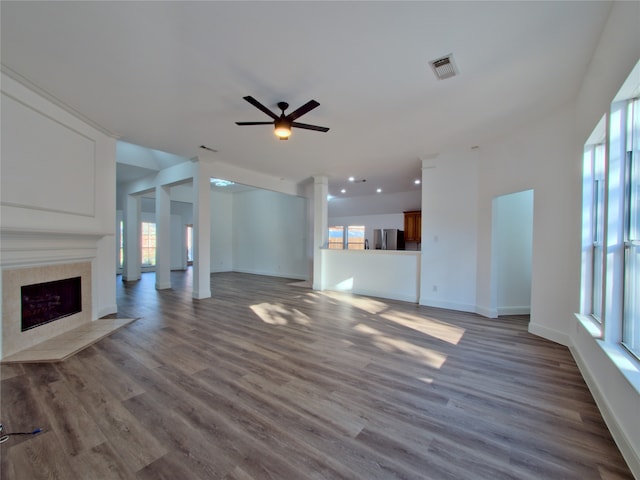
(631, 307)
(355, 237)
(336, 238)
(597, 156)
(121, 249)
(148, 243)
(189, 244)
(611, 223)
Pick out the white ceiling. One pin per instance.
(171, 76)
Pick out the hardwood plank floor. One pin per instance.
(268, 380)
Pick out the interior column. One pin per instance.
(201, 233)
(163, 237)
(320, 227)
(131, 222)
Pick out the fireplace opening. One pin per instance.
(45, 302)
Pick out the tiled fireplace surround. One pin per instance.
(30, 257)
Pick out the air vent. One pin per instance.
(444, 67)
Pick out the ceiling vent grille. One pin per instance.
(444, 67)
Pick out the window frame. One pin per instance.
(336, 245)
(355, 245)
(147, 237)
(611, 182)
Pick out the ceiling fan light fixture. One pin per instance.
(283, 129)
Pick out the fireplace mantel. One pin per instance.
(26, 247)
(29, 256)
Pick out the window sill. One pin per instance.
(628, 366)
(590, 325)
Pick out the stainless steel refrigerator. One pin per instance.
(388, 239)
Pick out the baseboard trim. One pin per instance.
(461, 307)
(549, 334)
(524, 310)
(201, 294)
(390, 295)
(107, 310)
(620, 437)
(295, 276)
(486, 311)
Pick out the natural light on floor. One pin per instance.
(276, 314)
(363, 303)
(389, 344)
(433, 328)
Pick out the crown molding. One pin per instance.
(56, 101)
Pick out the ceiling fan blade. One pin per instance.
(254, 123)
(306, 126)
(310, 105)
(259, 106)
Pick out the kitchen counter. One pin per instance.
(393, 274)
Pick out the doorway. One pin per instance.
(512, 251)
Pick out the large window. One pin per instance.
(336, 237)
(611, 225)
(353, 240)
(596, 155)
(148, 243)
(121, 249)
(355, 237)
(189, 244)
(631, 307)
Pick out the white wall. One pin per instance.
(178, 248)
(221, 231)
(449, 230)
(378, 204)
(378, 273)
(58, 175)
(269, 234)
(540, 156)
(513, 238)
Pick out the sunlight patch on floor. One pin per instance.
(389, 344)
(276, 314)
(363, 303)
(434, 328)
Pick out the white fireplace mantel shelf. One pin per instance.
(36, 232)
(24, 247)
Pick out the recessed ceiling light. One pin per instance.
(417, 181)
(344, 190)
(219, 182)
(352, 179)
(379, 190)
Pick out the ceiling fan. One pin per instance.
(283, 123)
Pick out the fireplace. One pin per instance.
(49, 301)
(33, 297)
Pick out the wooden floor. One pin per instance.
(268, 380)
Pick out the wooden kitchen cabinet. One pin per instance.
(413, 226)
